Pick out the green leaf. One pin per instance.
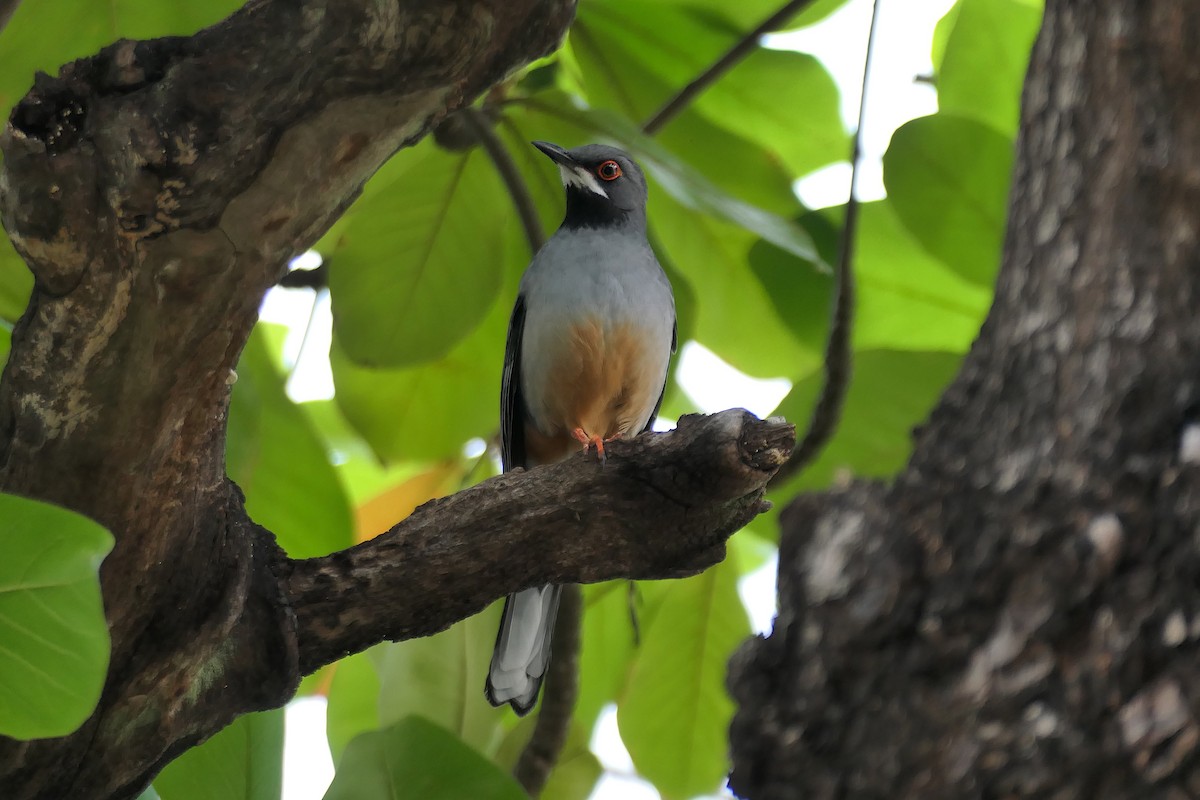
(428, 412)
(5, 345)
(785, 101)
(414, 270)
(275, 456)
(362, 475)
(675, 714)
(53, 637)
(517, 129)
(874, 438)
(416, 758)
(747, 15)
(574, 126)
(634, 57)
(754, 551)
(947, 178)
(799, 294)
(906, 299)
(608, 649)
(244, 761)
(575, 772)
(813, 13)
(16, 282)
(607, 39)
(984, 61)
(738, 166)
(741, 168)
(353, 702)
(34, 38)
(941, 35)
(735, 315)
(441, 677)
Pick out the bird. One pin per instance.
(589, 343)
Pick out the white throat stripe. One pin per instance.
(581, 179)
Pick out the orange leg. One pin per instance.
(589, 442)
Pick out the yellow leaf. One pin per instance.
(384, 510)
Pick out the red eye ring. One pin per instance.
(608, 171)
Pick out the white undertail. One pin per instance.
(523, 648)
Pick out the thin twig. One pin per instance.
(828, 410)
(522, 200)
(558, 703)
(742, 48)
(7, 9)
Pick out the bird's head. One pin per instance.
(604, 185)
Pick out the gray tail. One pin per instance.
(523, 648)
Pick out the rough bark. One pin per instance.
(1016, 615)
(693, 487)
(157, 190)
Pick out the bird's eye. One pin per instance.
(609, 171)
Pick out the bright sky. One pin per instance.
(902, 49)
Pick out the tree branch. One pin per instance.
(694, 486)
(156, 191)
(742, 48)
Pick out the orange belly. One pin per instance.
(604, 381)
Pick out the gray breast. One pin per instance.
(585, 276)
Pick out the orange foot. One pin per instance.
(589, 442)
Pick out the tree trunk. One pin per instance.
(156, 191)
(1017, 614)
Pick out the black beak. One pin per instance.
(556, 153)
